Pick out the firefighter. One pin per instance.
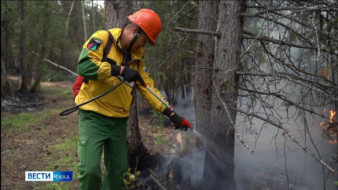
(103, 122)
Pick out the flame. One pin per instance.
(330, 127)
(333, 113)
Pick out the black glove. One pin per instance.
(179, 122)
(128, 74)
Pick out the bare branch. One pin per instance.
(284, 99)
(293, 67)
(304, 24)
(299, 9)
(195, 31)
(279, 126)
(287, 76)
(247, 35)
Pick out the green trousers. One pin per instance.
(97, 131)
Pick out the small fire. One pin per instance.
(333, 113)
(331, 128)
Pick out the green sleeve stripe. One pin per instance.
(86, 67)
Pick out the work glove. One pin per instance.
(128, 74)
(179, 122)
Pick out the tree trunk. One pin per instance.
(84, 20)
(25, 79)
(44, 38)
(117, 13)
(205, 49)
(6, 85)
(219, 161)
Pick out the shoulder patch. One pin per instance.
(145, 69)
(94, 44)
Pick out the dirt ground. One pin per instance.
(24, 148)
(42, 145)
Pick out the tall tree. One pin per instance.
(204, 63)
(219, 161)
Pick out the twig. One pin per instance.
(158, 183)
(231, 121)
(281, 42)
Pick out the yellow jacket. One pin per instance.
(90, 66)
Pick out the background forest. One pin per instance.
(258, 80)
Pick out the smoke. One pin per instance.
(278, 162)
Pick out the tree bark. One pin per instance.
(117, 12)
(219, 161)
(202, 83)
(205, 49)
(6, 85)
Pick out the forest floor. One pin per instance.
(35, 138)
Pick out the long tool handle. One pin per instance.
(74, 108)
(158, 97)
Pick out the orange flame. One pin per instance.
(333, 113)
(330, 127)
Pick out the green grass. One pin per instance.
(23, 120)
(63, 159)
(64, 93)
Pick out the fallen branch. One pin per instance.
(59, 66)
(279, 126)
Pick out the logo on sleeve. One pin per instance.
(94, 44)
(145, 69)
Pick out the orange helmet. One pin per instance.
(148, 21)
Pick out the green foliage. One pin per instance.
(335, 183)
(160, 138)
(130, 180)
(158, 119)
(44, 25)
(168, 59)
